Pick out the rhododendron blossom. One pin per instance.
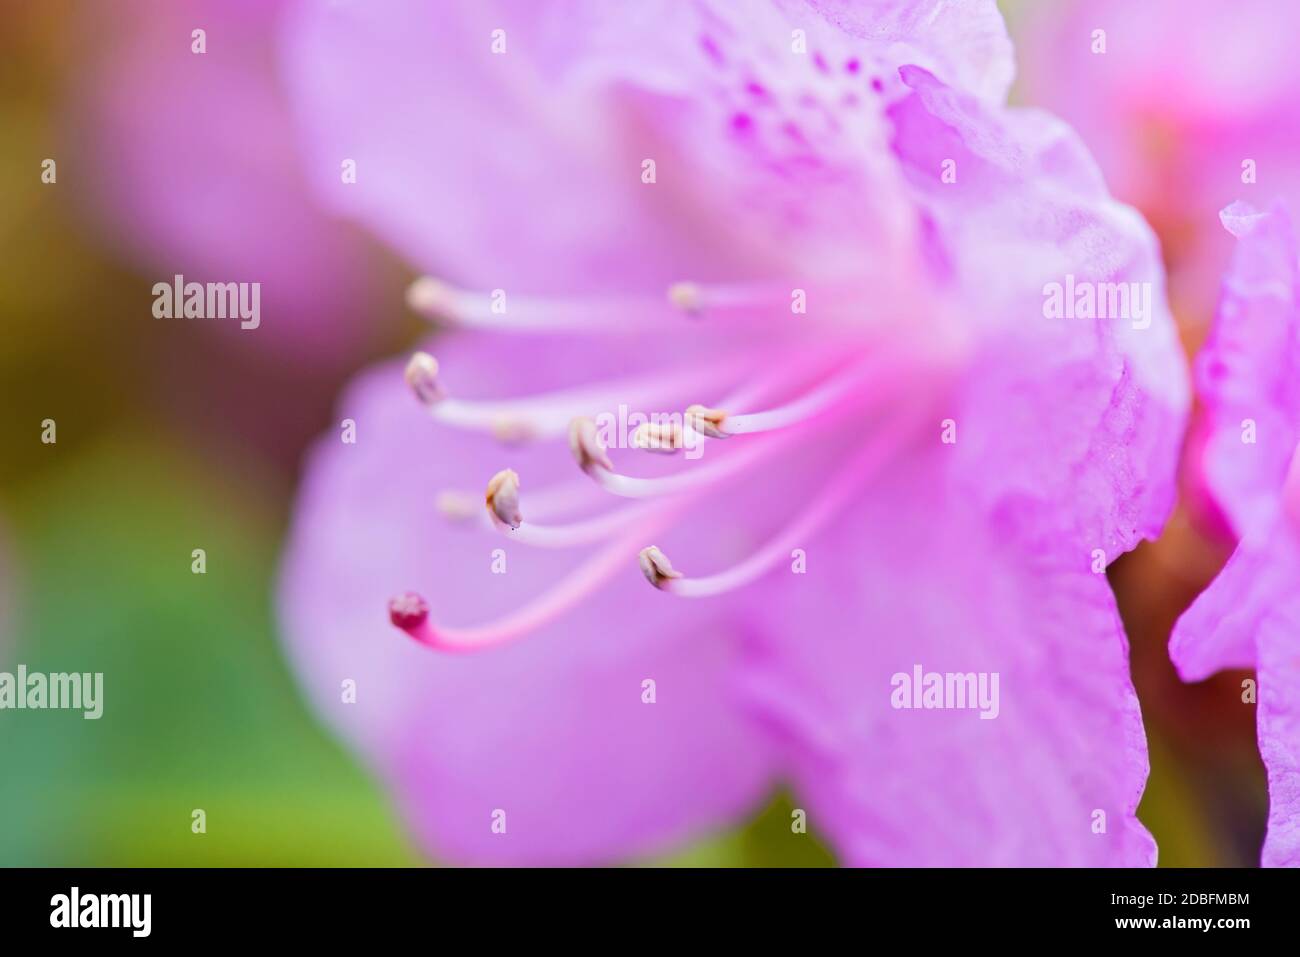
(814, 231)
(1248, 376)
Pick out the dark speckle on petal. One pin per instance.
(710, 47)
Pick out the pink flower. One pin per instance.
(1248, 376)
(197, 171)
(1186, 103)
(919, 474)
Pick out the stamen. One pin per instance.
(422, 376)
(706, 421)
(832, 501)
(430, 296)
(505, 515)
(458, 506)
(598, 529)
(685, 296)
(512, 431)
(503, 498)
(593, 460)
(588, 451)
(435, 299)
(515, 312)
(547, 415)
(410, 612)
(718, 423)
(629, 486)
(656, 567)
(702, 422)
(559, 498)
(665, 437)
(735, 298)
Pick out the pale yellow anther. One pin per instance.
(685, 296)
(512, 431)
(458, 506)
(656, 567)
(584, 442)
(707, 421)
(503, 498)
(429, 296)
(422, 376)
(658, 437)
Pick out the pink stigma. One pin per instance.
(408, 611)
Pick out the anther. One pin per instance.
(584, 442)
(685, 296)
(656, 567)
(422, 376)
(706, 421)
(431, 297)
(512, 431)
(503, 498)
(658, 437)
(457, 505)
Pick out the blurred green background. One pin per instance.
(174, 436)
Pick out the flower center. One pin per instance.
(822, 390)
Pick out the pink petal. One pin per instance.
(1249, 369)
(965, 44)
(493, 169)
(1088, 412)
(744, 130)
(1218, 630)
(1247, 375)
(1279, 731)
(916, 579)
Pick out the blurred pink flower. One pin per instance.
(1248, 376)
(1185, 94)
(826, 169)
(197, 170)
